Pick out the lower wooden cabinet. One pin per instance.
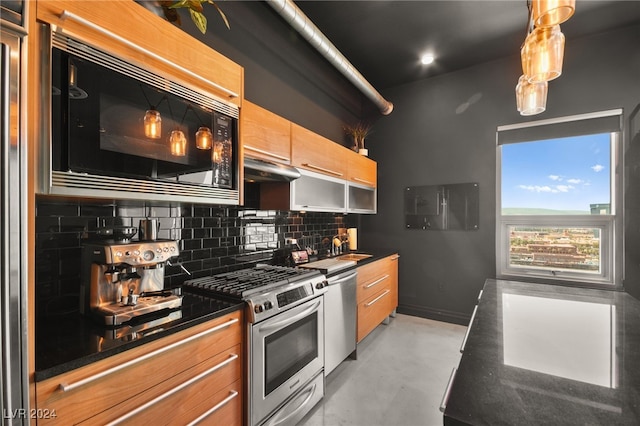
(195, 374)
(377, 293)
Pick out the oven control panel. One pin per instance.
(270, 303)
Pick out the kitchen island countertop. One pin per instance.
(548, 354)
(71, 341)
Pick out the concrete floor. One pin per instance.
(398, 379)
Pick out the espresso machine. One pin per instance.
(122, 281)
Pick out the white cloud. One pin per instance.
(574, 181)
(563, 188)
(555, 177)
(547, 189)
(597, 168)
(536, 188)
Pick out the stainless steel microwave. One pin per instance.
(114, 130)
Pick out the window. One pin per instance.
(557, 190)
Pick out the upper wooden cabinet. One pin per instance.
(129, 31)
(316, 153)
(362, 170)
(264, 134)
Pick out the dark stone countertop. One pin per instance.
(67, 342)
(548, 354)
(375, 256)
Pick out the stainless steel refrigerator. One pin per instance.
(14, 396)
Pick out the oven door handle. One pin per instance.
(287, 321)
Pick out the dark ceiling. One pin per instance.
(384, 39)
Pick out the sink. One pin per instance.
(353, 256)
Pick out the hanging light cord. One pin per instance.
(151, 106)
(529, 19)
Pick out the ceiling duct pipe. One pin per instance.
(299, 21)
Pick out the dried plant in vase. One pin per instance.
(359, 132)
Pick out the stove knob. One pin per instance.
(258, 309)
(322, 284)
(268, 305)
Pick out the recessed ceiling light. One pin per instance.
(427, 59)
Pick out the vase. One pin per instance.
(363, 151)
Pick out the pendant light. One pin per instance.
(152, 118)
(548, 13)
(152, 124)
(204, 137)
(531, 98)
(542, 54)
(178, 143)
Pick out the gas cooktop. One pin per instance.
(243, 283)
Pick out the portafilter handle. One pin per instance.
(180, 265)
(112, 274)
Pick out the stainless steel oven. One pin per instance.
(287, 364)
(285, 338)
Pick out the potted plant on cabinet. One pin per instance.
(359, 132)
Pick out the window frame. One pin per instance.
(611, 225)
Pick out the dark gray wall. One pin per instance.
(442, 131)
(283, 73)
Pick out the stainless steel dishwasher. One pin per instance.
(339, 319)
(339, 310)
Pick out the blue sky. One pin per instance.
(559, 174)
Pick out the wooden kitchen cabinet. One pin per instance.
(362, 170)
(125, 29)
(316, 153)
(175, 379)
(377, 293)
(265, 135)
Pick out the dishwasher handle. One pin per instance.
(342, 278)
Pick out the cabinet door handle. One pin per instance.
(377, 298)
(178, 388)
(267, 153)
(68, 387)
(322, 169)
(445, 397)
(466, 335)
(70, 15)
(376, 282)
(368, 182)
(219, 405)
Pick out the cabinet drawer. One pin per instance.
(184, 397)
(373, 311)
(374, 276)
(225, 408)
(90, 390)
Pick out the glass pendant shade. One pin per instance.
(152, 124)
(178, 143)
(542, 54)
(531, 98)
(204, 138)
(547, 13)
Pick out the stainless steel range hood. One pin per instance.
(265, 171)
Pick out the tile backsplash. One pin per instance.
(213, 239)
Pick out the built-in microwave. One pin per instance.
(113, 129)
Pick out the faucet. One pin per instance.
(336, 245)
